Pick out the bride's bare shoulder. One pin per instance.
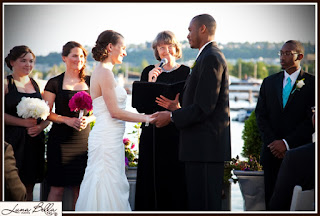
(101, 72)
(103, 76)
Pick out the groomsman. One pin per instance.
(284, 111)
(203, 120)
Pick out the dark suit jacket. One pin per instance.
(297, 168)
(204, 119)
(14, 188)
(293, 122)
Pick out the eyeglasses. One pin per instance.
(287, 53)
(166, 47)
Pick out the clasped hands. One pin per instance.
(78, 124)
(161, 119)
(32, 128)
(278, 148)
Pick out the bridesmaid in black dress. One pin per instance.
(160, 178)
(25, 135)
(68, 137)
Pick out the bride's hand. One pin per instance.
(83, 122)
(73, 122)
(149, 119)
(154, 73)
(171, 105)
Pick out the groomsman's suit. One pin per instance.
(297, 168)
(292, 123)
(204, 125)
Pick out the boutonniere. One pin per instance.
(194, 64)
(299, 85)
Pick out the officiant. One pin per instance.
(160, 177)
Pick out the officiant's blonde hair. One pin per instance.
(166, 37)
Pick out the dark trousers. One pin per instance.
(204, 185)
(271, 168)
(297, 168)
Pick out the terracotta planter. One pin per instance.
(251, 184)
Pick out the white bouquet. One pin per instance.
(33, 108)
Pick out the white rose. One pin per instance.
(300, 84)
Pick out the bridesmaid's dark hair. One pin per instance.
(17, 52)
(66, 51)
(99, 51)
(166, 37)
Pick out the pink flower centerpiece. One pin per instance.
(80, 101)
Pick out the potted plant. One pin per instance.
(131, 161)
(249, 174)
(252, 141)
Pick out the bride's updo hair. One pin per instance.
(99, 51)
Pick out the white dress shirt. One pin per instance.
(202, 48)
(293, 77)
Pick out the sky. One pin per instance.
(47, 27)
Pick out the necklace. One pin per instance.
(172, 69)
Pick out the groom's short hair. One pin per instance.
(298, 45)
(208, 21)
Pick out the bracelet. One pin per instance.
(147, 121)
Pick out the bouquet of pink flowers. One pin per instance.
(80, 101)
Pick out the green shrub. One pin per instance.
(251, 137)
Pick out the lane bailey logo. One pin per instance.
(31, 208)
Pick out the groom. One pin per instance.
(203, 120)
(284, 112)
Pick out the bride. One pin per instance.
(105, 186)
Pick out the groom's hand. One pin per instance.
(161, 119)
(278, 148)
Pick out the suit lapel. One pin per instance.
(279, 86)
(197, 63)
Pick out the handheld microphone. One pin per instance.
(163, 62)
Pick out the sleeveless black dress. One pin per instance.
(67, 147)
(28, 151)
(160, 177)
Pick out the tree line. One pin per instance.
(139, 56)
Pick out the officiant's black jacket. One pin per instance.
(293, 122)
(204, 119)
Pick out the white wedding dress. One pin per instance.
(105, 186)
